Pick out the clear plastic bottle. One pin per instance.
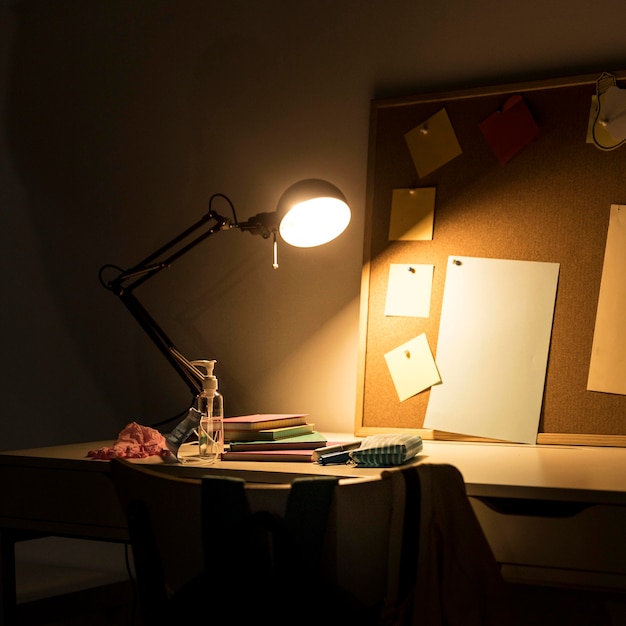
(211, 407)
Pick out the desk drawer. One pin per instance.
(583, 546)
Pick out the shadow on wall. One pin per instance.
(111, 126)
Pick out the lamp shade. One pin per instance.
(312, 212)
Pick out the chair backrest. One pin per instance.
(163, 514)
(195, 534)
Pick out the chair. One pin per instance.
(216, 548)
(445, 570)
(399, 550)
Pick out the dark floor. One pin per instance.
(109, 605)
(550, 606)
(113, 605)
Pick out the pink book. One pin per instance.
(263, 421)
(269, 455)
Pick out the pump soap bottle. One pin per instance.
(211, 407)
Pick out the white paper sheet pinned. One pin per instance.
(607, 369)
(492, 351)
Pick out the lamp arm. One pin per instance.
(127, 280)
(190, 374)
(144, 270)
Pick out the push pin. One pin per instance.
(412, 270)
(407, 354)
(457, 262)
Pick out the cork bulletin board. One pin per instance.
(550, 202)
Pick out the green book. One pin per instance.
(268, 434)
(308, 441)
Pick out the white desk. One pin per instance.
(557, 473)
(553, 515)
(548, 511)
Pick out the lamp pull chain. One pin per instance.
(275, 263)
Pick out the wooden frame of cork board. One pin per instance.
(550, 202)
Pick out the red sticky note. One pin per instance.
(510, 130)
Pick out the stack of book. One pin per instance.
(271, 437)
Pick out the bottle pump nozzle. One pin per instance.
(209, 382)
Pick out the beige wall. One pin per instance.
(120, 119)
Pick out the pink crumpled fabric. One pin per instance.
(134, 442)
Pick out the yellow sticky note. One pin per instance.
(409, 289)
(412, 367)
(412, 214)
(433, 143)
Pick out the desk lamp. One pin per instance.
(310, 213)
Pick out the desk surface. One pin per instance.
(567, 473)
(58, 490)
